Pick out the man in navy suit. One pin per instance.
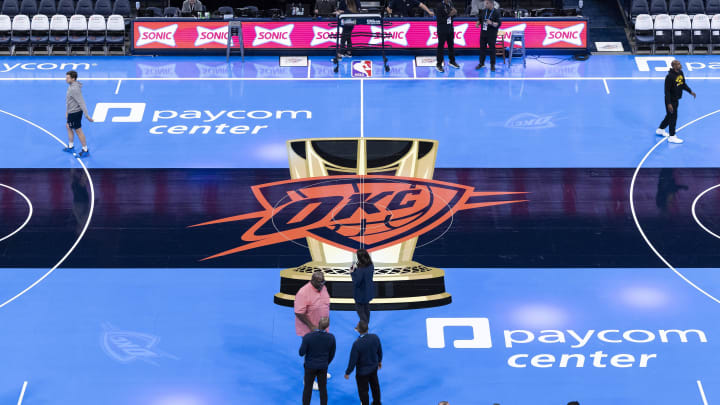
(363, 286)
(318, 347)
(366, 356)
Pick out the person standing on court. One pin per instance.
(318, 347)
(489, 20)
(312, 302)
(345, 7)
(74, 109)
(363, 287)
(674, 85)
(445, 13)
(366, 355)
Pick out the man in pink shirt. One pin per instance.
(312, 302)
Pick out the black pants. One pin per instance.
(363, 311)
(362, 383)
(445, 34)
(487, 44)
(346, 38)
(322, 385)
(670, 118)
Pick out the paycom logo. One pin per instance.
(570, 348)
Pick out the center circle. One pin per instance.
(360, 207)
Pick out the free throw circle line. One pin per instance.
(695, 215)
(30, 211)
(87, 223)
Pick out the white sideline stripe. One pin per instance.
(414, 68)
(117, 89)
(309, 63)
(261, 79)
(702, 392)
(695, 215)
(362, 108)
(22, 393)
(87, 223)
(30, 212)
(607, 89)
(637, 223)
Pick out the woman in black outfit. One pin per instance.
(363, 287)
(346, 6)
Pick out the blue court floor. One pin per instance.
(122, 335)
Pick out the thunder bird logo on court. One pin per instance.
(344, 211)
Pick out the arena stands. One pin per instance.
(675, 26)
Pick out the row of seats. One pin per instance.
(674, 7)
(79, 31)
(66, 7)
(663, 32)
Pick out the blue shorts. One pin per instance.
(74, 120)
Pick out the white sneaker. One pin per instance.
(661, 132)
(674, 139)
(315, 386)
(329, 376)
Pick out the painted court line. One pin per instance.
(637, 222)
(607, 89)
(702, 393)
(87, 223)
(117, 89)
(30, 212)
(22, 393)
(362, 108)
(265, 79)
(695, 215)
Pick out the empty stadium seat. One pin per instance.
(170, 12)
(695, 7)
(639, 7)
(676, 7)
(682, 33)
(104, 8)
(700, 34)
(225, 10)
(156, 11)
(658, 7)
(77, 33)
(10, 8)
(84, 8)
(5, 31)
(122, 7)
(58, 32)
(47, 7)
(28, 7)
(116, 32)
(644, 35)
(20, 33)
(663, 33)
(712, 7)
(714, 32)
(40, 32)
(66, 7)
(97, 33)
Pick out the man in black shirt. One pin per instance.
(318, 347)
(674, 86)
(489, 20)
(445, 13)
(401, 8)
(366, 354)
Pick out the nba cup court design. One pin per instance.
(352, 193)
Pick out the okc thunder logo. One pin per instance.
(345, 211)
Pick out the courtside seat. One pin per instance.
(714, 32)
(700, 34)
(658, 7)
(97, 33)
(116, 32)
(644, 35)
(682, 33)
(639, 7)
(5, 32)
(156, 11)
(84, 8)
(10, 8)
(712, 7)
(40, 32)
(66, 8)
(28, 7)
(171, 12)
(20, 33)
(695, 7)
(77, 33)
(122, 7)
(58, 32)
(104, 8)
(663, 33)
(676, 7)
(47, 7)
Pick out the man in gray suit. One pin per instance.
(191, 6)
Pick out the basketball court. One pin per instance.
(581, 263)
